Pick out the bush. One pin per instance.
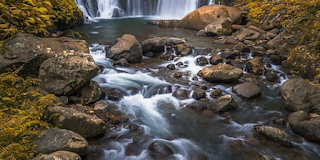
(20, 116)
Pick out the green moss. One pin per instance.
(20, 116)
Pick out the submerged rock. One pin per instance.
(126, 47)
(247, 90)
(52, 140)
(65, 75)
(160, 150)
(221, 73)
(59, 155)
(71, 119)
(273, 134)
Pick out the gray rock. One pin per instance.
(126, 47)
(247, 90)
(90, 92)
(221, 73)
(157, 44)
(59, 155)
(273, 134)
(224, 103)
(71, 119)
(310, 130)
(202, 61)
(199, 93)
(160, 150)
(52, 140)
(215, 59)
(298, 116)
(65, 75)
(180, 94)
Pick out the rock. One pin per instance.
(219, 28)
(275, 59)
(217, 92)
(68, 33)
(310, 130)
(249, 42)
(272, 77)
(126, 47)
(230, 54)
(258, 50)
(52, 140)
(122, 63)
(199, 93)
(169, 23)
(224, 103)
(114, 94)
(280, 121)
(247, 90)
(201, 33)
(180, 94)
(59, 155)
(71, 119)
(221, 73)
(296, 93)
(242, 47)
(171, 67)
(65, 75)
(157, 44)
(256, 66)
(101, 105)
(257, 29)
(205, 15)
(248, 34)
(215, 59)
(90, 92)
(225, 40)
(237, 27)
(202, 61)
(298, 116)
(199, 105)
(177, 74)
(273, 134)
(31, 52)
(160, 150)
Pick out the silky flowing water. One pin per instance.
(191, 134)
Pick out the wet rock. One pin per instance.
(199, 105)
(298, 116)
(297, 93)
(219, 28)
(59, 155)
(169, 23)
(90, 92)
(217, 92)
(221, 73)
(248, 34)
(65, 75)
(215, 59)
(273, 134)
(205, 15)
(171, 67)
(280, 121)
(199, 93)
(272, 77)
(230, 54)
(258, 50)
(275, 59)
(315, 109)
(201, 33)
(256, 66)
(157, 44)
(32, 51)
(160, 150)
(177, 74)
(52, 140)
(202, 61)
(310, 130)
(224, 103)
(126, 47)
(242, 47)
(121, 63)
(71, 119)
(181, 94)
(114, 94)
(247, 90)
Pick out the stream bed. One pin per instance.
(191, 134)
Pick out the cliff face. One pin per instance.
(37, 17)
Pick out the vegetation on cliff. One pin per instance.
(35, 16)
(20, 116)
(300, 19)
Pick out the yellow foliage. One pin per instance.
(20, 116)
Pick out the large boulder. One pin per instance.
(66, 74)
(52, 140)
(224, 103)
(59, 155)
(273, 134)
(73, 120)
(205, 15)
(219, 28)
(310, 130)
(126, 47)
(30, 51)
(298, 94)
(221, 73)
(157, 44)
(247, 90)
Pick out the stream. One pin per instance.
(191, 134)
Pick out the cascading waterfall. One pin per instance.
(165, 9)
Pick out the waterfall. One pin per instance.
(165, 9)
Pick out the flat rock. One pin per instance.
(221, 73)
(247, 90)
